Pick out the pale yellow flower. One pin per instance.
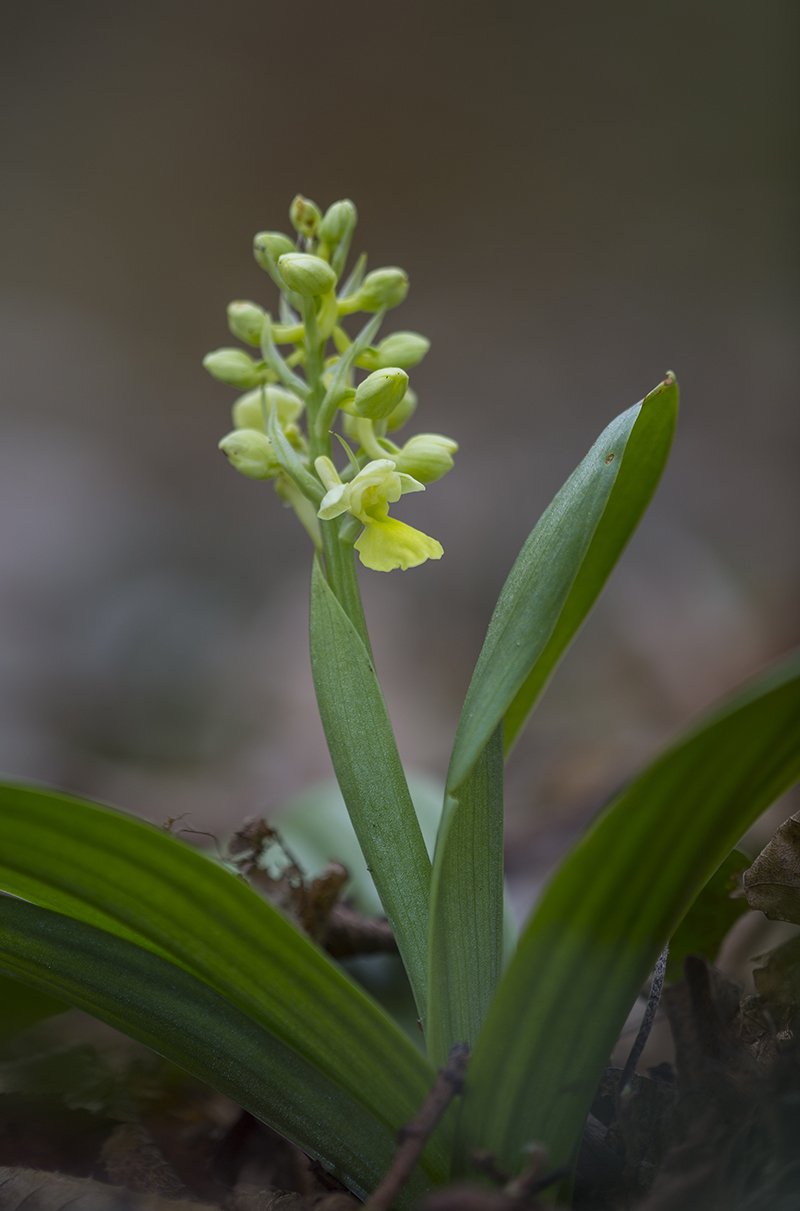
(384, 544)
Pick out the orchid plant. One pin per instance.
(105, 912)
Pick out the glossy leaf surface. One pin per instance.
(550, 589)
(184, 1020)
(371, 777)
(606, 914)
(124, 876)
(560, 571)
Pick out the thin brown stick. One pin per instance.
(643, 1033)
(413, 1137)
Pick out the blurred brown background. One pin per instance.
(584, 195)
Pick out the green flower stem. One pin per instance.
(330, 402)
(288, 334)
(314, 359)
(369, 440)
(348, 306)
(340, 567)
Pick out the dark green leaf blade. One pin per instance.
(184, 1020)
(466, 943)
(123, 875)
(560, 571)
(553, 584)
(371, 777)
(21, 1007)
(606, 914)
(711, 916)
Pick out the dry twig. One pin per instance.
(413, 1137)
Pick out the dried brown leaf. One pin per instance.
(772, 884)
(38, 1190)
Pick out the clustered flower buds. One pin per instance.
(297, 390)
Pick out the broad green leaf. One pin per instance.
(606, 914)
(713, 914)
(466, 942)
(551, 587)
(21, 1006)
(560, 571)
(371, 777)
(123, 875)
(184, 1020)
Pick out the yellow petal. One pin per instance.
(387, 544)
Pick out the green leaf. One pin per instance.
(550, 589)
(371, 777)
(124, 876)
(713, 914)
(606, 914)
(466, 942)
(21, 1007)
(184, 1020)
(560, 571)
(317, 829)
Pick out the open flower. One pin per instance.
(384, 543)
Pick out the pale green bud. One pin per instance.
(404, 349)
(250, 452)
(380, 393)
(235, 367)
(245, 321)
(403, 412)
(269, 245)
(383, 288)
(308, 275)
(338, 222)
(248, 412)
(427, 456)
(305, 216)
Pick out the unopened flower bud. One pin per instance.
(404, 349)
(427, 456)
(308, 275)
(248, 411)
(383, 288)
(235, 367)
(338, 222)
(305, 216)
(380, 393)
(250, 452)
(245, 321)
(403, 412)
(269, 245)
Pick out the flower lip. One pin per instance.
(385, 543)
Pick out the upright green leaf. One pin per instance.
(130, 879)
(466, 942)
(550, 589)
(371, 777)
(711, 917)
(607, 913)
(560, 571)
(184, 1020)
